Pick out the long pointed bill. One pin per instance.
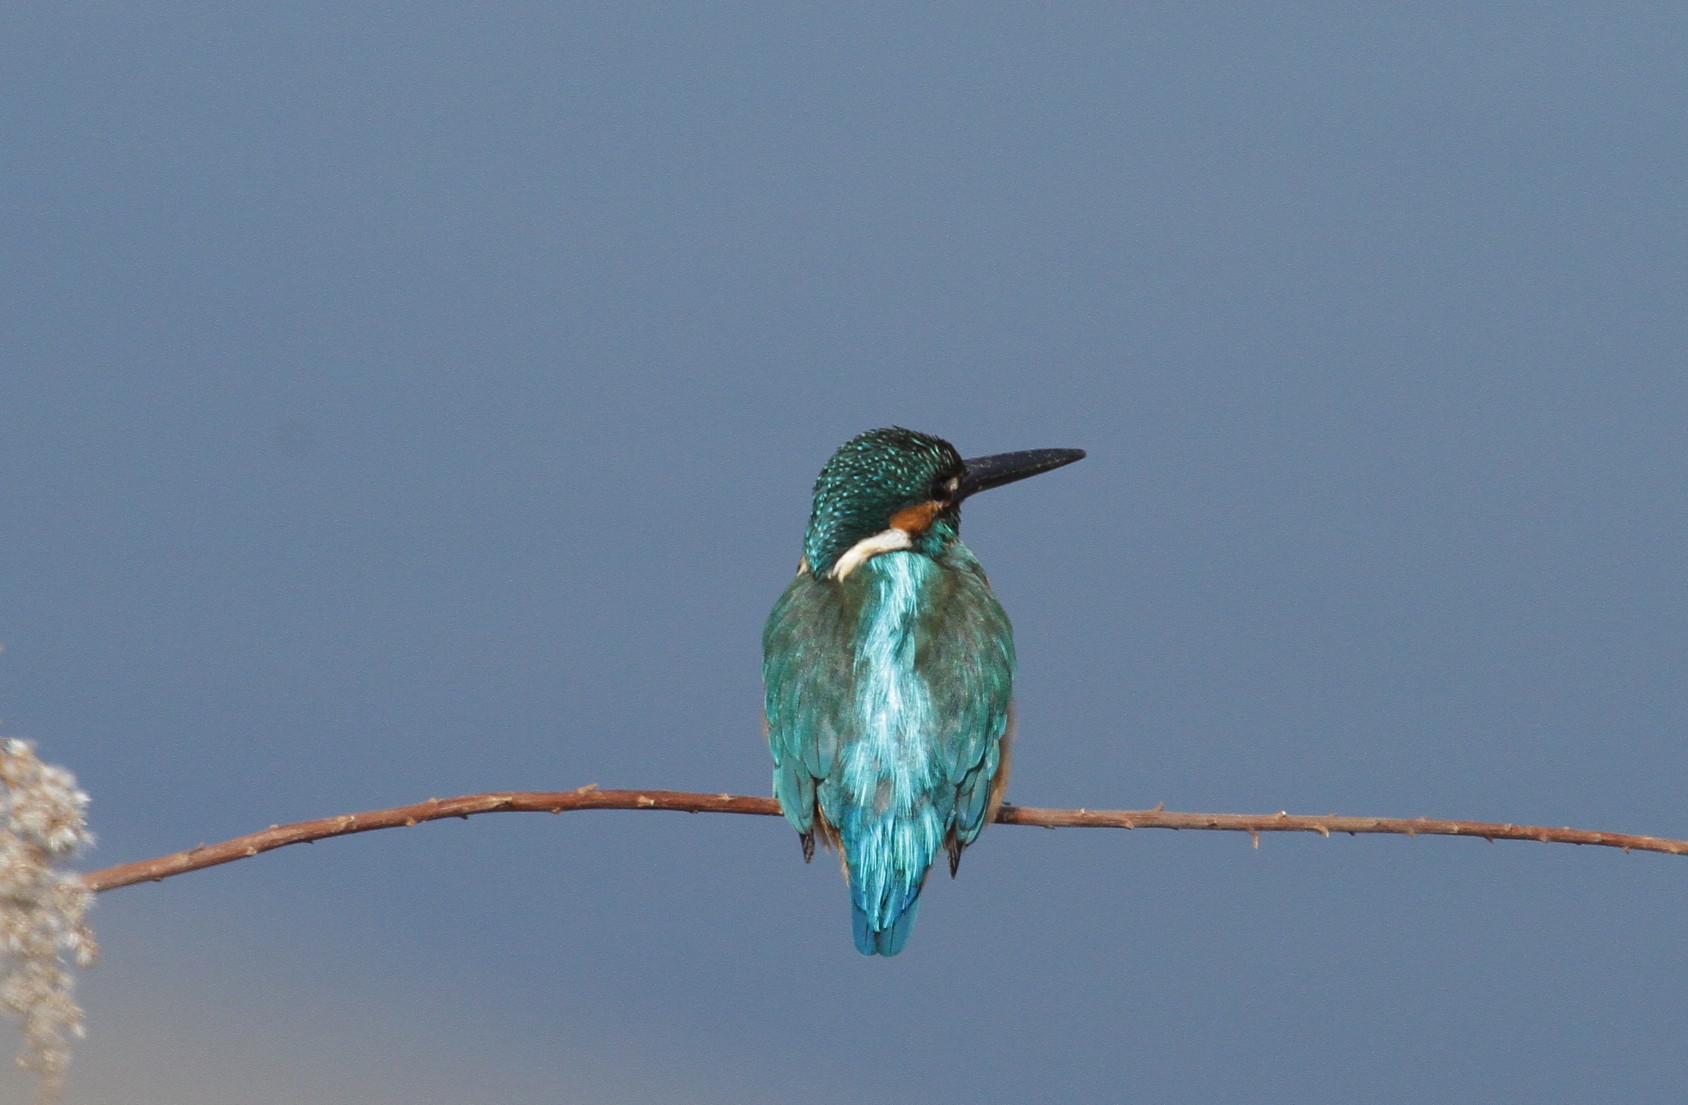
(984, 473)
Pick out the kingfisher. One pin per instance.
(887, 666)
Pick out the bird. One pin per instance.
(887, 667)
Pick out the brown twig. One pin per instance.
(591, 798)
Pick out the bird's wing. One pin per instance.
(809, 682)
(967, 661)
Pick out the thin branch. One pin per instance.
(591, 798)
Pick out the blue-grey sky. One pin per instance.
(404, 400)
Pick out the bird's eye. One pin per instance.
(944, 489)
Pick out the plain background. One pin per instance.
(404, 400)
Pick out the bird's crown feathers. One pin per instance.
(872, 477)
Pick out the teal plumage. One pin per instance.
(888, 666)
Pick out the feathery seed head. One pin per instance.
(42, 931)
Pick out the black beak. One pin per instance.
(984, 473)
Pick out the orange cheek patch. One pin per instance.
(915, 519)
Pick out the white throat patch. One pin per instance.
(890, 540)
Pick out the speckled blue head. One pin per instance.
(873, 477)
(903, 479)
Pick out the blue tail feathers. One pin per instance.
(888, 941)
(888, 856)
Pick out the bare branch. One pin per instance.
(591, 798)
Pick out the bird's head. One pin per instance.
(894, 489)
